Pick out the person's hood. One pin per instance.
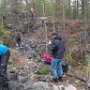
(58, 37)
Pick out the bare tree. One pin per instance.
(83, 8)
(63, 13)
(53, 15)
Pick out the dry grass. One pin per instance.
(20, 60)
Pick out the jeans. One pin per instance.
(56, 68)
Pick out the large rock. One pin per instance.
(28, 85)
(9, 25)
(22, 78)
(88, 84)
(62, 87)
(41, 86)
(70, 87)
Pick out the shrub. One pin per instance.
(70, 60)
(6, 37)
(44, 70)
(87, 67)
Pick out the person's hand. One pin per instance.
(50, 42)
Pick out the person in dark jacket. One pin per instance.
(17, 38)
(57, 49)
(4, 57)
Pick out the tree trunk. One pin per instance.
(77, 9)
(83, 8)
(53, 16)
(28, 15)
(63, 14)
(69, 9)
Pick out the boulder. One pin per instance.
(70, 87)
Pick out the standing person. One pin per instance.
(57, 52)
(32, 12)
(4, 57)
(17, 38)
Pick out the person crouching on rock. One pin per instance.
(17, 38)
(4, 57)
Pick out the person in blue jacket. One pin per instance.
(4, 57)
(57, 49)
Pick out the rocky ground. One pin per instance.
(27, 61)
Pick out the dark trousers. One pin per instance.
(3, 70)
(3, 62)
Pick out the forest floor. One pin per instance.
(26, 61)
(21, 61)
